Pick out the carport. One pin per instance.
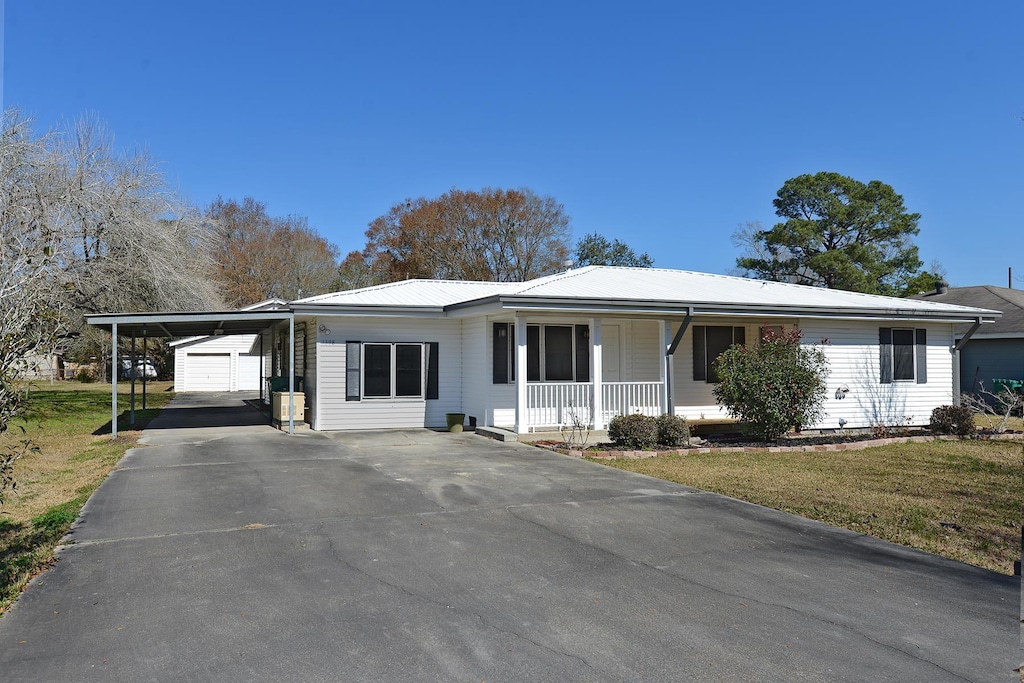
(179, 325)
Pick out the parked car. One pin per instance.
(144, 368)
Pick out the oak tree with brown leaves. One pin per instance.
(493, 234)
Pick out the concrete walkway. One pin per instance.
(239, 553)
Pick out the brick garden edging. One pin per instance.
(817, 448)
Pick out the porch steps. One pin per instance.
(497, 433)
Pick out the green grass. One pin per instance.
(960, 499)
(70, 424)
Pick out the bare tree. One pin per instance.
(1002, 404)
(31, 309)
(125, 232)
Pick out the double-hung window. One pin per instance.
(391, 370)
(903, 355)
(709, 342)
(554, 353)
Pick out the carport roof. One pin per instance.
(188, 324)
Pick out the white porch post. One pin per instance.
(522, 416)
(664, 342)
(596, 365)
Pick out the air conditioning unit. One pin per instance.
(280, 406)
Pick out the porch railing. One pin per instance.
(554, 404)
(550, 404)
(627, 398)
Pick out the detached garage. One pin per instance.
(219, 363)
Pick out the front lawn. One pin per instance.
(70, 424)
(960, 499)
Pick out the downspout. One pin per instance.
(670, 359)
(956, 359)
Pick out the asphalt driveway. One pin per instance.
(239, 553)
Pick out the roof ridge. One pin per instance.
(554, 277)
(998, 293)
(386, 285)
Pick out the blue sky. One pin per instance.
(666, 125)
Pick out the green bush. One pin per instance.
(773, 386)
(673, 430)
(957, 420)
(633, 432)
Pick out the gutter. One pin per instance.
(775, 311)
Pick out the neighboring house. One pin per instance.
(220, 362)
(596, 342)
(995, 351)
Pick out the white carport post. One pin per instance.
(522, 415)
(113, 380)
(291, 374)
(596, 366)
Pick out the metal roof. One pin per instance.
(658, 288)
(655, 291)
(428, 293)
(594, 289)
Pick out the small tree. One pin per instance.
(773, 386)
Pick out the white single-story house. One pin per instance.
(596, 342)
(220, 362)
(583, 346)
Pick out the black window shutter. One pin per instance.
(700, 366)
(500, 345)
(353, 357)
(885, 355)
(432, 375)
(922, 355)
(533, 353)
(739, 335)
(582, 353)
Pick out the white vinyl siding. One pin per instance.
(853, 361)
(476, 369)
(334, 412)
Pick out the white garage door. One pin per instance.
(248, 372)
(208, 372)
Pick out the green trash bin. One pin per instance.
(1013, 385)
(281, 383)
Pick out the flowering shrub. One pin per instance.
(773, 386)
